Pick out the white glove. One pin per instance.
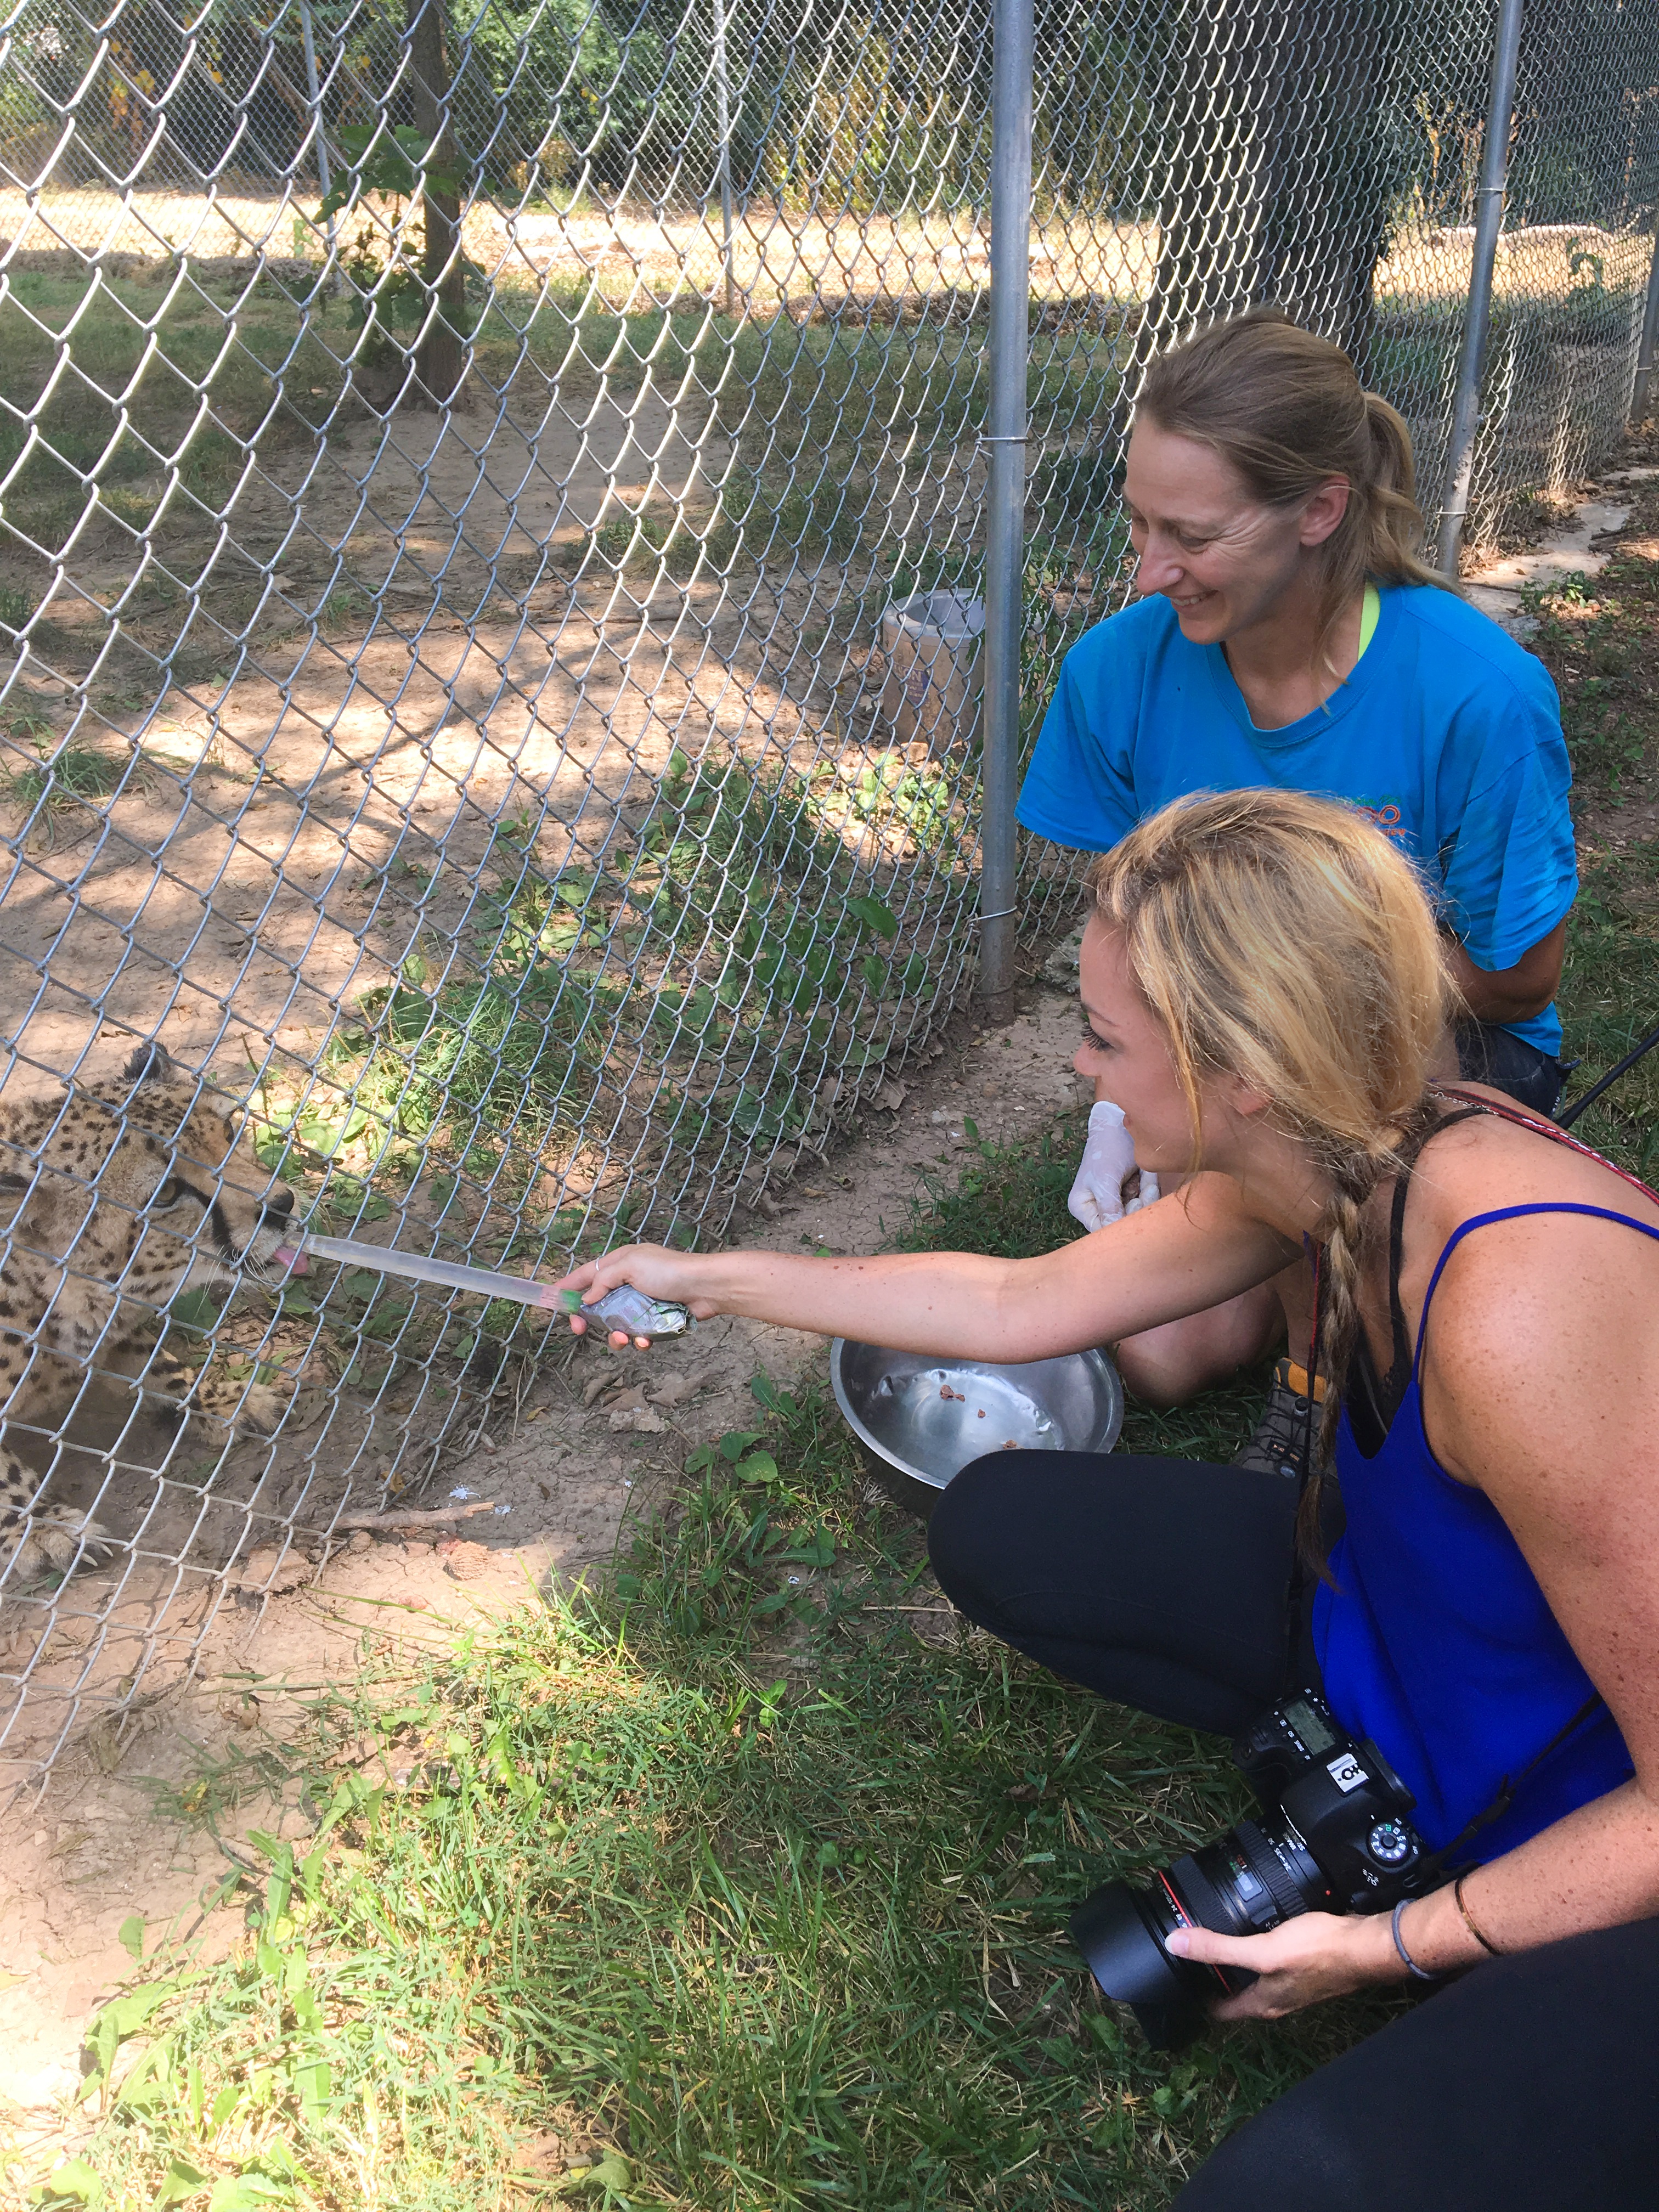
(1109, 1159)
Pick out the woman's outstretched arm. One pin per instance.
(1177, 1257)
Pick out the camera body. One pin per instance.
(1333, 1838)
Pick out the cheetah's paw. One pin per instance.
(250, 1408)
(50, 1537)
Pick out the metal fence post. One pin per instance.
(723, 125)
(1494, 166)
(1641, 391)
(315, 98)
(1005, 526)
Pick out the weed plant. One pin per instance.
(56, 784)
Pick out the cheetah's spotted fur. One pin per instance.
(119, 1195)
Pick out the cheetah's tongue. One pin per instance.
(296, 1262)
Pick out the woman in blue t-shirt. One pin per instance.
(1289, 634)
(1263, 977)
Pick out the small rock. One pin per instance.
(672, 1389)
(547, 2153)
(1061, 968)
(639, 1420)
(465, 1560)
(359, 1540)
(939, 1117)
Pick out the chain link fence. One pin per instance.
(493, 508)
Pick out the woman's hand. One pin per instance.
(1301, 1962)
(678, 1277)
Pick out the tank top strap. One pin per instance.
(1393, 1387)
(1511, 1214)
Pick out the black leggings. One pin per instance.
(1531, 2085)
(1161, 1583)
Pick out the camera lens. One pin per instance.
(1250, 1880)
(1120, 1931)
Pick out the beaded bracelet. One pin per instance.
(1419, 1973)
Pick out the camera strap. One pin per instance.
(1442, 1862)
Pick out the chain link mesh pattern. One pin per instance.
(459, 462)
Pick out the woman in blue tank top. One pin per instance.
(1263, 977)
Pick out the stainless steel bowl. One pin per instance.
(920, 1418)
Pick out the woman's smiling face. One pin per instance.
(1222, 558)
(1125, 1049)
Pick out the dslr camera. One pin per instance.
(1333, 1838)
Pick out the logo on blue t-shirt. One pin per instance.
(1388, 816)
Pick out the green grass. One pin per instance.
(56, 782)
(1598, 640)
(726, 1867)
(735, 950)
(1610, 1000)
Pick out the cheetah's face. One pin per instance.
(147, 1181)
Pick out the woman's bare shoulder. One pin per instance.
(1522, 1296)
(1489, 1164)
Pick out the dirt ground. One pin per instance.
(236, 889)
(106, 1840)
(634, 257)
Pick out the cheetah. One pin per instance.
(114, 1198)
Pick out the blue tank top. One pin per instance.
(1437, 1641)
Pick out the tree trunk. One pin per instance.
(441, 355)
(1215, 93)
(1274, 193)
(1324, 196)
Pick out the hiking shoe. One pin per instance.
(1279, 1445)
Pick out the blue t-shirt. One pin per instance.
(1447, 733)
